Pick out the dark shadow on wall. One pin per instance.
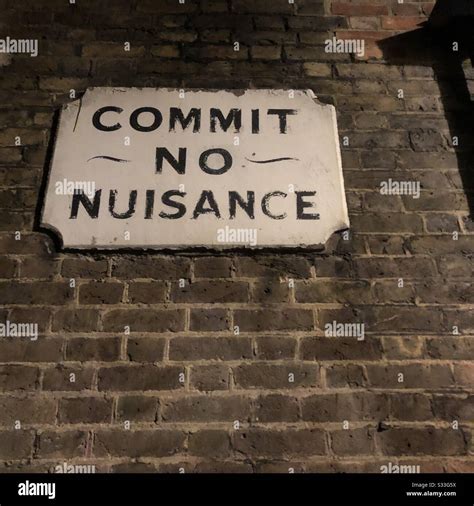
(433, 45)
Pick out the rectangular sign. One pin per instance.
(165, 168)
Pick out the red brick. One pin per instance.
(359, 9)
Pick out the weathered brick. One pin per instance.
(408, 406)
(340, 348)
(463, 374)
(261, 375)
(144, 377)
(436, 200)
(145, 349)
(39, 268)
(269, 319)
(143, 443)
(401, 22)
(333, 267)
(288, 266)
(310, 7)
(417, 375)
(85, 410)
(272, 443)
(276, 348)
(133, 467)
(345, 292)
(215, 53)
(76, 320)
(151, 268)
(25, 350)
(451, 348)
(337, 407)
(85, 349)
(263, 6)
(314, 69)
(276, 408)
(209, 443)
(450, 407)
(29, 410)
(210, 377)
(265, 53)
(212, 267)
(270, 291)
(211, 292)
(111, 50)
(101, 293)
(388, 222)
(167, 7)
(394, 292)
(54, 293)
(399, 347)
(16, 444)
(404, 267)
(388, 245)
(345, 376)
(68, 444)
(440, 292)
(202, 408)
(18, 377)
(66, 378)
(456, 265)
(353, 442)
(359, 9)
(147, 293)
(426, 440)
(210, 348)
(209, 320)
(165, 51)
(459, 321)
(137, 408)
(160, 320)
(8, 267)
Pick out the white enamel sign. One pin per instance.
(163, 168)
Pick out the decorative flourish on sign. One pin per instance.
(273, 160)
(105, 157)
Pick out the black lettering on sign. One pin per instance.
(181, 208)
(227, 159)
(301, 205)
(179, 165)
(282, 114)
(248, 206)
(266, 202)
(194, 115)
(234, 116)
(206, 196)
(92, 208)
(149, 204)
(157, 119)
(96, 119)
(132, 202)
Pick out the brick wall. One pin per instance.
(278, 395)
